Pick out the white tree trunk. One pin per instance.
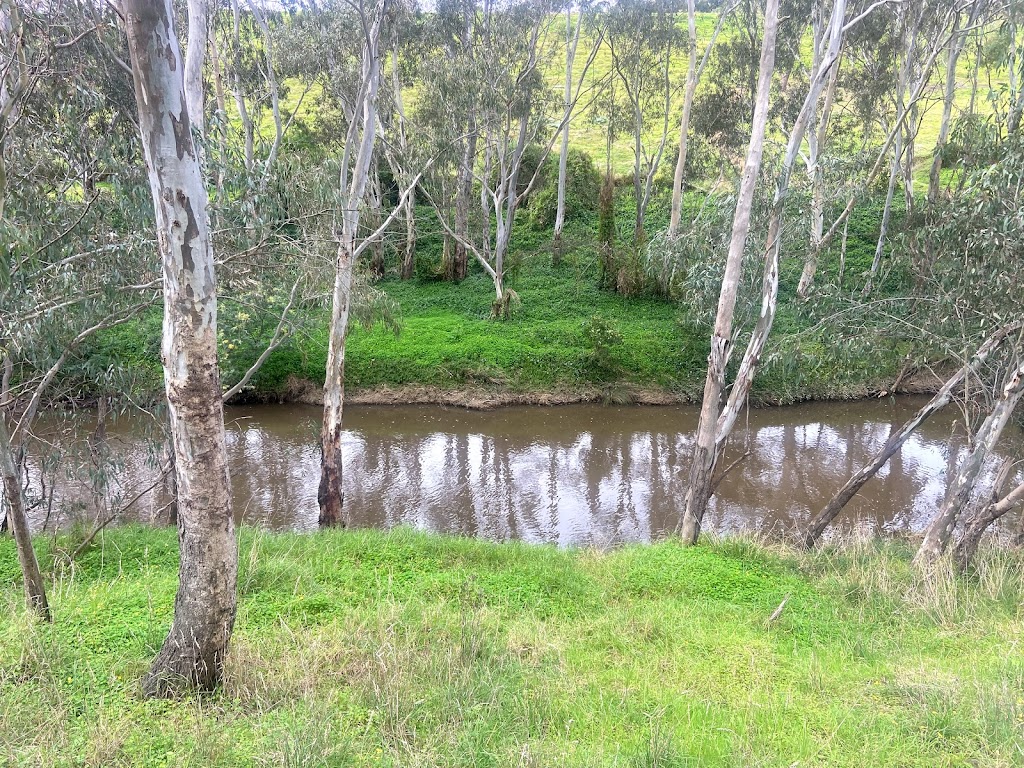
(940, 530)
(195, 55)
(684, 122)
(705, 449)
(248, 130)
(883, 229)
(571, 42)
(353, 182)
(956, 46)
(817, 525)
(816, 138)
(967, 546)
(204, 609)
(716, 423)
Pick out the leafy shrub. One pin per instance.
(582, 189)
(601, 338)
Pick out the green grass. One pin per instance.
(405, 649)
(449, 341)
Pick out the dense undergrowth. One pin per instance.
(367, 648)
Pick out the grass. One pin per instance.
(450, 342)
(366, 648)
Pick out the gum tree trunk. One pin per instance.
(816, 137)
(693, 75)
(408, 268)
(195, 54)
(354, 175)
(717, 422)
(940, 530)
(193, 654)
(816, 527)
(571, 42)
(463, 198)
(409, 256)
(967, 546)
(956, 45)
(35, 589)
(705, 450)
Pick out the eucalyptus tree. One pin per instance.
(356, 158)
(971, 245)
(717, 420)
(572, 41)
(967, 297)
(708, 446)
(642, 37)
(965, 20)
(193, 653)
(874, 49)
(585, 16)
(399, 154)
(1001, 503)
(521, 113)
(817, 136)
(694, 73)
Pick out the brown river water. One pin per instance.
(568, 475)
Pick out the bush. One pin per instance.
(582, 188)
(601, 338)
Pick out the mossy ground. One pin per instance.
(366, 648)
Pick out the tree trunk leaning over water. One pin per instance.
(355, 171)
(193, 654)
(706, 448)
(817, 525)
(940, 530)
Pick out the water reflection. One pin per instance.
(575, 475)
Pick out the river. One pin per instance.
(568, 475)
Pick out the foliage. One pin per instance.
(602, 337)
(582, 189)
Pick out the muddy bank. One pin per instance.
(483, 398)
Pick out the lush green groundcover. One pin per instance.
(449, 341)
(366, 648)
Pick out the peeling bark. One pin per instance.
(193, 654)
(983, 518)
(717, 422)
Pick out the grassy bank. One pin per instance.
(403, 649)
(644, 346)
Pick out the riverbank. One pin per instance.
(404, 649)
(569, 341)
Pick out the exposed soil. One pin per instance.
(486, 398)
